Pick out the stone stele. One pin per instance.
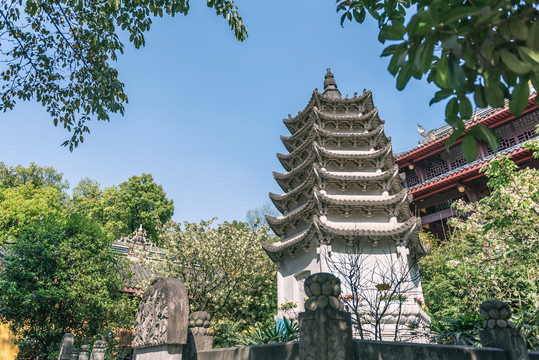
(161, 323)
(66, 347)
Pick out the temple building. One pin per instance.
(342, 192)
(436, 177)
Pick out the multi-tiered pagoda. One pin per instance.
(342, 190)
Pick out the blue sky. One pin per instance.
(205, 112)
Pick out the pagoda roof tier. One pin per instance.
(363, 200)
(280, 224)
(283, 201)
(377, 157)
(350, 121)
(362, 103)
(386, 180)
(322, 231)
(391, 205)
(352, 154)
(366, 134)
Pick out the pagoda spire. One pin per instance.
(330, 86)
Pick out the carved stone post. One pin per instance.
(66, 347)
(199, 323)
(98, 351)
(499, 332)
(84, 352)
(161, 323)
(325, 330)
(74, 354)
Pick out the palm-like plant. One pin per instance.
(463, 330)
(281, 331)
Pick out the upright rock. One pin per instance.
(66, 346)
(161, 323)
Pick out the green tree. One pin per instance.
(24, 205)
(491, 253)
(60, 53)
(481, 48)
(224, 269)
(38, 176)
(60, 276)
(257, 217)
(121, 209)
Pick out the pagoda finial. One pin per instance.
(330, 86)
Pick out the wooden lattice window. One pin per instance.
(435, 165)
(455, 157)
(525, 127)
(411, 177)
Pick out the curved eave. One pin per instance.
(284, 159)
(274, 250)
(279, 199)
(300, 132)
(277, 223)
(370, 117)
(384, 175)
(369, 229)
(353, 155)
(358, 135)
(382, 201)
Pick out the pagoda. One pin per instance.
(342, 191)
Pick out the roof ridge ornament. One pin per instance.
(330, 86)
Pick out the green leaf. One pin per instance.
(440, 95)
(454, 136)
(518, 29)
(514, 63)
(479, 96)
(451, 111)
(465, 108)
(442, 73)
(519, 97)
(389, 50)
(494, 95)
(457, 78)
(392, 32)
(403, 78)
(359, 16)
(469, 148)
(532, 53)
(482, 132)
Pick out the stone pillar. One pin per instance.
(325, 330)
(98, 351)
(161, 322)
(199, 323)
(84, 352)
(66, 347)
(499, 332)
(74, 354)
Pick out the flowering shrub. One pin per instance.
(396, 298)
(288, 305)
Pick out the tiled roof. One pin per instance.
(465, 169)
(436, 138)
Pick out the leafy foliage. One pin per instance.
(24, 205)
(494, 252)
(485, 49)
(281, 331)
(257, 217)
(224, 269)
(60, 276)
(59, 53)
(463, 330)
(121, 209)
(35, 175)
